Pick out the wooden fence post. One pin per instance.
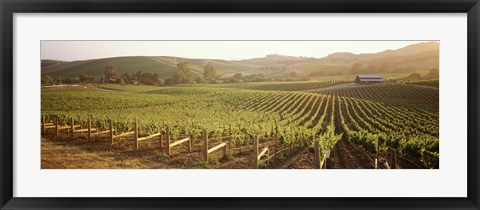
(110, 126)
(167, 139)
(43, 124)
(394, 158)
(189, 146)
(230, 138)
(72, 126)
(276, 141)
(89, 124)
(161, 139)
(325, 163)
(225, 149)
(317, 154)
(205, 145)
(135, 133)
(56, 127)
(376, 156)
(268, 156)
(255, 151)
(245, 136)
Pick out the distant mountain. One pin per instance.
(342, 56)
(412, 49)
(274, 59)
(421, 56)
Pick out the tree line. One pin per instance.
(183, 75)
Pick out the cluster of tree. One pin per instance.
(48, 80)
(111, 75)
(209, 72)
(83, 78)
(358, 68)
(184, 75)
(139, 78)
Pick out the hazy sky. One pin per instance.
(228, 50)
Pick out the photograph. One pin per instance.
(239, 104)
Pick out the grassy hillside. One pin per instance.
(421, 55)
(50, 62)
(221, 66)
(165, 66)
(123, 64)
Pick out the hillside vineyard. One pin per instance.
(372, 118)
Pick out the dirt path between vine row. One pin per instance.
(426, 86)
(345, 156)
(342, 156)
(294, 159)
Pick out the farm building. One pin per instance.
(368, 78)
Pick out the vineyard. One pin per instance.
(289, 86)
(281, 125)
(431, 83)
(395, 94)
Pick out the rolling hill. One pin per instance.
(96, 67)
(421, 56)
(47, 62)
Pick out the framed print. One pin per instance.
(239, 105)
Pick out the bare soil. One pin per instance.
(78, 153)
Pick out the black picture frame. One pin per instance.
(10, 7)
